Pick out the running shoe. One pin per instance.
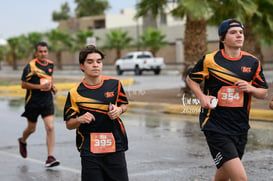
(51, 162)
(22, 148)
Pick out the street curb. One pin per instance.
(179, 109)
(17, 91)
(193, 110)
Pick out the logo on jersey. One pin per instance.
(109, 94)
(246, 69)
(50, 70)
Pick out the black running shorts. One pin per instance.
(225, 147)
(108, 167)
(32, 113)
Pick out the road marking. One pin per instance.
(39, 162)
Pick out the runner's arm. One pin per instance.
(117, 111)
(204, 99)
(123, 108)
(74, 123)
(28, 85)
(259, 93)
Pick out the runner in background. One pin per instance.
(93, 108)
(37, 80)
(231, 77)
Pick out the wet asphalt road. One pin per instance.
(161, 148)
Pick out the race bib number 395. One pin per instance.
(102, 143)
(230, 96)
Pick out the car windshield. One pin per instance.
(143, 56)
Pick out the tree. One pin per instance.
(149, 10)
(259, 28)
(90, 7)
(3, 51)
(153, 40)
(195, 37)
(32, 39)
(244, 10)
(263, 22)
(17, 49)
(58, 42)
(118, 40)
(63, 14)
(80, 39)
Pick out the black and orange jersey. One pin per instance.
(219, 72)
(83, 98)
(35, 72)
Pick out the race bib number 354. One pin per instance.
(102, 143)
(230, 96)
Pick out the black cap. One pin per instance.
(223, 28)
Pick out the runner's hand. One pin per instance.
(205, 102)
(54, 90)
(244, 86)
(45, 86)
(86, 118)
(115, 112)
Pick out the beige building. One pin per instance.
(173, 29)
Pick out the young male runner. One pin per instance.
(232, 76)
(93, 108)
(37, 80)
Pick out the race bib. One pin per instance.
(44, 81)
(102, 143)
(230, 96)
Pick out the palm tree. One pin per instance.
(149, 10)
(3, 51)
(59, 41)
(63, 14)
(244, 11)
(17, 49)
(81, 39)
(33, 38)
(259, 28)
(153, 40)
(195, 37)
(263, 21)
(118, 40)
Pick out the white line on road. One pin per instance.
(39, 162)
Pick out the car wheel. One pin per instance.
(119, 72)
(157, 71)
(138, 71)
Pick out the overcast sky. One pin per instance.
(23, 16)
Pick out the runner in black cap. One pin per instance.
(231, 77)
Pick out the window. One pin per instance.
(142, 56)
(163, 18)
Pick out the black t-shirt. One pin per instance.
(96, 100)
(36, 72)
(231, 116)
